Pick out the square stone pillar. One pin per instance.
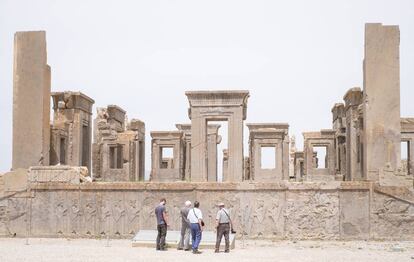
(382, 129)
(213, 139)
(31, 100)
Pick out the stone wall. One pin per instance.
(333, 210)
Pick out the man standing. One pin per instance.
(223, 223)
(162, 222)
(196, 224)
(185, 228)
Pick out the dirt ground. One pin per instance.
(56, 250)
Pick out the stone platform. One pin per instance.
(146, 238)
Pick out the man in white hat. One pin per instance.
(223, 225)
(185, 227)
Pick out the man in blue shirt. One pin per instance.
(162, 223)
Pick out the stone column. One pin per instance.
(381, 100)
(31, 100)
(352, 98)
(285, 156)
(235, 150)
(213, 139)
(198, 147)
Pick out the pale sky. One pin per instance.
(297, 58)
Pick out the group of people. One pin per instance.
(192, 223)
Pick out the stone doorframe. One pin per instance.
(207, 106)
(324, 138)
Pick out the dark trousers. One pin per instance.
(162, 233)
(195, 235)
(223, 229)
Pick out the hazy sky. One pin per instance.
(297, 58)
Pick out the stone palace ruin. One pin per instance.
(76, 176)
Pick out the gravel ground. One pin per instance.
(56, 250)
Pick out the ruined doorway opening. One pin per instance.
(219, 162)
(405, 157)
(268, 157)
(321, 156)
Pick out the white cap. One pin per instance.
(188, 203)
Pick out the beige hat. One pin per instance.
(221, 204)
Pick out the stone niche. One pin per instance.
(167, 156)
(71, 130)
(119, 146)
(207, 106)
(275, 138)
(315, 170)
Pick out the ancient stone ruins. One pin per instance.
(66, 182)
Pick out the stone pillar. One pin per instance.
(198, 147)
(212, 140)
(31, 100)
(225, 164)
(381, 100)
(235, 150)
(352, 98)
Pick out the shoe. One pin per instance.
(226, 251)
(179, 248)
(216, 251)
(187, 249)
(164, 249)
(196, 251)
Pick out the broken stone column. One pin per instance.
(353, 98)
(382, 129)
(338, 125)
(31, 100)
(225, 164)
